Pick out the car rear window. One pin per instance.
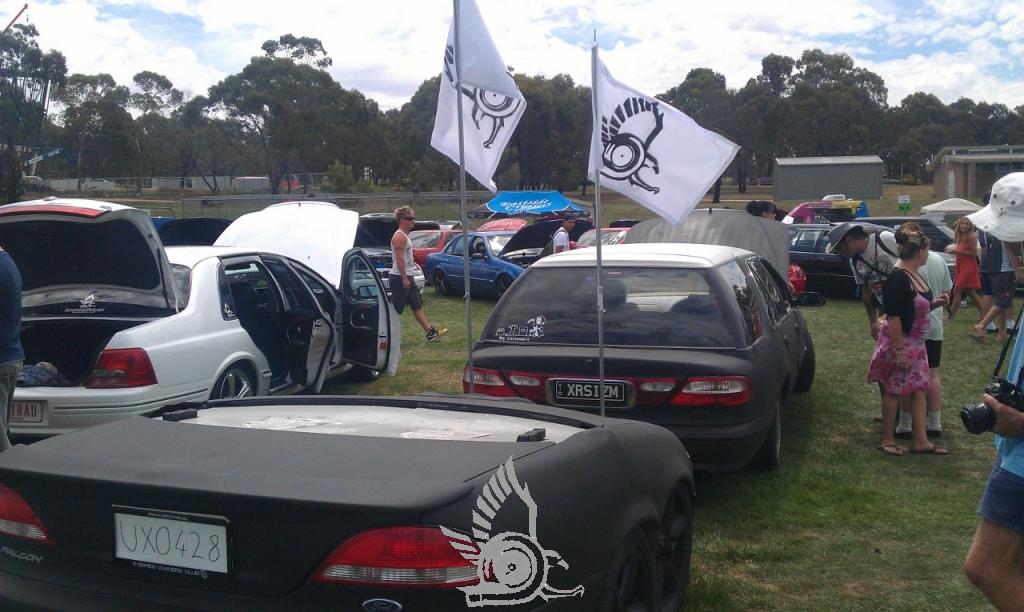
(645, 307)
(424, 240)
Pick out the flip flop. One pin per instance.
(931, 450)
(977, 338)
(891, 449)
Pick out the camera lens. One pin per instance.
(978, 418)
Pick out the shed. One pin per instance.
(810, 178)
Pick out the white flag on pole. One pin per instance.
(651, 152)
(492, 105)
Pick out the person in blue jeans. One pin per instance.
(11, 353)
(995, 563)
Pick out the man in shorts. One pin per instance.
(998, 284)
(400, 280)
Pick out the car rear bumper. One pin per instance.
(21, 593)
(70, 408)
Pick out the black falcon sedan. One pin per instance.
(699, 338)
(349, 503)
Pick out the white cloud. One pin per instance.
(386, 48)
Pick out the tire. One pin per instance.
(675, 546)
(236, 381)
(441, 286)
(629, 584)
(770, 455)
(501, 284)
(805, 378)
(362, 374)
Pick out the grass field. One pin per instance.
(839, 526)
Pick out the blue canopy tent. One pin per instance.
(519, 203)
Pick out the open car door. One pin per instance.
(371, 336)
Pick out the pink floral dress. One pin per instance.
(883, 369)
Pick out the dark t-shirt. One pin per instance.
(10, 310)
(898, 295)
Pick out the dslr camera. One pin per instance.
(979, 418)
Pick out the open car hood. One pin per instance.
(537, 235)
(318, 234)
(723, 227)
(87, 258)
(198, 231)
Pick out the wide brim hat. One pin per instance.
(1004, 215)
(837, 233)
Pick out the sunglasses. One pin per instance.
(408, 218)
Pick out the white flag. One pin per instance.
(651, 152)
(492, 104)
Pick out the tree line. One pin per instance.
(284, 113)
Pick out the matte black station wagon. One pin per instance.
(702, 339)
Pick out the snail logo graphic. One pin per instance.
(512, 567)
(486, 104)
(625, 153)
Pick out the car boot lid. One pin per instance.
(317, 234)
(105, 257)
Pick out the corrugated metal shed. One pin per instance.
(810, 178)
(846, 160)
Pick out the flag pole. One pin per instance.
(597, 222)
(463, 219)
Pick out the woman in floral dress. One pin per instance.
(900, 360)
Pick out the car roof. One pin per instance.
(98, 205)
(825, 226)
(672, 253)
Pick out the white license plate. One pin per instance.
(23, 411)
(159, 540)
(587, 392)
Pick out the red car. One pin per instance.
(425, 242)
(508, 224)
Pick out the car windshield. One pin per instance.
(498, 242)
(609, 236)
(644, 307)
(424, 240)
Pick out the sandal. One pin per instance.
(977, 338)
(931, 450)
(891, 450)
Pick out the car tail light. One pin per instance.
(714, 391)
(17, 519)
(411, 557)
(489, 382)
(122, 368)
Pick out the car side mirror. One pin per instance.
(810, 299)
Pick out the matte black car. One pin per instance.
(700, 339)
(349, 503)
(826, 272)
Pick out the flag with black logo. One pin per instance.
(491, 105)
(649, 151)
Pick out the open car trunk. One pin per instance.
(71, 345)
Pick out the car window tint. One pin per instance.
(745, 298)
(258, 278)
(805, 240)
(324, 295)
(360, 281)
(644, 307)
(424, 240)
(775, 296)
(294, 291)
(498, 242)
(455, 247)
(182, 282)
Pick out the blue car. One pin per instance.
(489, 273)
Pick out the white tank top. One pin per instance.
(410, 263)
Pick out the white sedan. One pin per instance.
(132, 326)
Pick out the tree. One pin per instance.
(28, 75)
(94, 113)
(303, 49)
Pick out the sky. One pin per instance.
(387, 48)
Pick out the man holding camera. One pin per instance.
(995, 563)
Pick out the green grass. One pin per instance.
(839, 525)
